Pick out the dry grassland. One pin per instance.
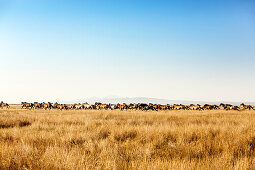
(126, 139)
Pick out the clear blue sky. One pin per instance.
(182, 49)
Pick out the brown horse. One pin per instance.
(27, 105)
(61, 106)
(2, 105)
(37, 105)
(46, 105)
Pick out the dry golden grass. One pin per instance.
(40, 139)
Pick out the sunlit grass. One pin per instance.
(40, 139)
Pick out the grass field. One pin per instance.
(40, 139)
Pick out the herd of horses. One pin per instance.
(139, 106)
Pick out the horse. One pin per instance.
(2, 105)
(27, 105)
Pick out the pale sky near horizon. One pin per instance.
(181, 50)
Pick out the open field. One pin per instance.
(92, 139)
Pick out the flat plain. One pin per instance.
(106, 139)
